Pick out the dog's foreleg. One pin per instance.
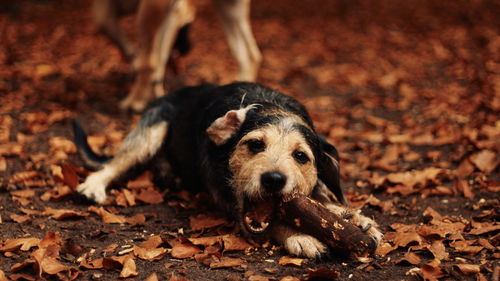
(106, 19)
(138, 147)
(297, 243)
(235, 18)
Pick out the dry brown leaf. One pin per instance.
(323, 274)
(129, 268)
(11, 149)
(2, 276)
(204, 221)
(234, 243)
(289, 278)
(432, 271)
(177, 278)
(3, 164)
(205, 241)
(57, 193)
(20, 218)
(465, 169)
(149, 196)
(468, 268)
(152, 277)
(108, 217)
(410, 257)
(482, 228)
(286, 260)
(61, 214)
(62, 144)
(258, 278)
(384, 248)
(150, 254)
(226, 262)
(152, 242)
(405, 238)
(485, 160)
(466, 247)
(145, 180)
(23, 244)
(463, 187)
(24, 176)
(184, 250)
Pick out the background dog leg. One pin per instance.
(159, 22)
(139, 146)
(106, 18)
(235, 18)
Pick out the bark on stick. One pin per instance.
(311, 217)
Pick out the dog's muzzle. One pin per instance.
(258, 214)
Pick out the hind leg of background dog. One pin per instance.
(327, 198)
(235, 18)
(106, 19)
(159, 22)
(138, 147)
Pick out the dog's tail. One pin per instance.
(91, 160)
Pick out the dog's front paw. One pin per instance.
(304, 245)
(367, 225)
(93, 189)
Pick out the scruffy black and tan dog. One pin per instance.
(248, 147)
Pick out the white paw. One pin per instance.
(304, 245)
(94, 189)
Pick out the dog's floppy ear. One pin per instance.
(329, 169)
(223, 128)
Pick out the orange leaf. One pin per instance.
(60, 214)
(286, 260)
(150, 254)
(226, 262)
(23, 244)
(182, 250)
(485, 160)
(468, 268)
(203, 221)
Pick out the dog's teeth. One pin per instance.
(248, 220)
(264, 225)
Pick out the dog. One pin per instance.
(162, 25)
(246, 145)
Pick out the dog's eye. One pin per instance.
(300, 157)
(255, 146)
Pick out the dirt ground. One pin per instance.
(408, 91)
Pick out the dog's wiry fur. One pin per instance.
(247, 146)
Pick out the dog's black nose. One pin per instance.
(273, 181)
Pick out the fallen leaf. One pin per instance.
(234, 243)
(129, 268)
(152, 242)
(23, 176)
(108, 217)
(468, 268)
(184, 250)
(226, 262)
(20, 219)
(323, 274)
(289, 278)
(258, 278)
(152, 277)
(62, 144)
(286, 260)
(23, 244)
(204, 221)
(149, 196)
(2, 276)
(177, 278)
(409, 257)
(485, 160)
(61, 214)
(149, 254)
(463, 187)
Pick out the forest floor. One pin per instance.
(408, 91)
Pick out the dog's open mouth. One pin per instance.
(257, 215)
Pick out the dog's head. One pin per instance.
(275, 155)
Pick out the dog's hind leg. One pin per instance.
(140, 146)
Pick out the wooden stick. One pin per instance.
(311, 217)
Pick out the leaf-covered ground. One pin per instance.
(408, 91)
